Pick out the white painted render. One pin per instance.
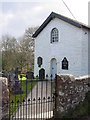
(73, 44)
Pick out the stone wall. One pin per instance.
(70, 91)
(4, 99)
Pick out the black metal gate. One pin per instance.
(34, 99)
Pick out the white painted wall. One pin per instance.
(72, 45)
(84, 53)
(89, 52)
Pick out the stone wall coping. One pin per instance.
(70, 76)
(4, 79)
(83, 77)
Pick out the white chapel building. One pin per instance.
(61, 46)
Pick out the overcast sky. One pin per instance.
(16, 16)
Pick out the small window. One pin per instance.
(65, 64)
(54, 35)
(39, 61)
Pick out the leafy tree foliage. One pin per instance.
(18, 53)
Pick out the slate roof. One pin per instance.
(66, 19)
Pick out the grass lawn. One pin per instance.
(15, 100)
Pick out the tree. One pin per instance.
(27, 48)
(18, 54)
(9, 50)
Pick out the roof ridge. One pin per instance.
(64, 18)
(72, 19)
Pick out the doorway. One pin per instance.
(42, 74)
(53, 67)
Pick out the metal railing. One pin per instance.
(34, 100)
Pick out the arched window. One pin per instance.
(39, 61)
(65, 64)
(54, 35)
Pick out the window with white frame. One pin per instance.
(54, 35)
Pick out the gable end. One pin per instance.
(55, 15)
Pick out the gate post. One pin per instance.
(55, 95)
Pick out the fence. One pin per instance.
(42, 98)
(31, 98)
